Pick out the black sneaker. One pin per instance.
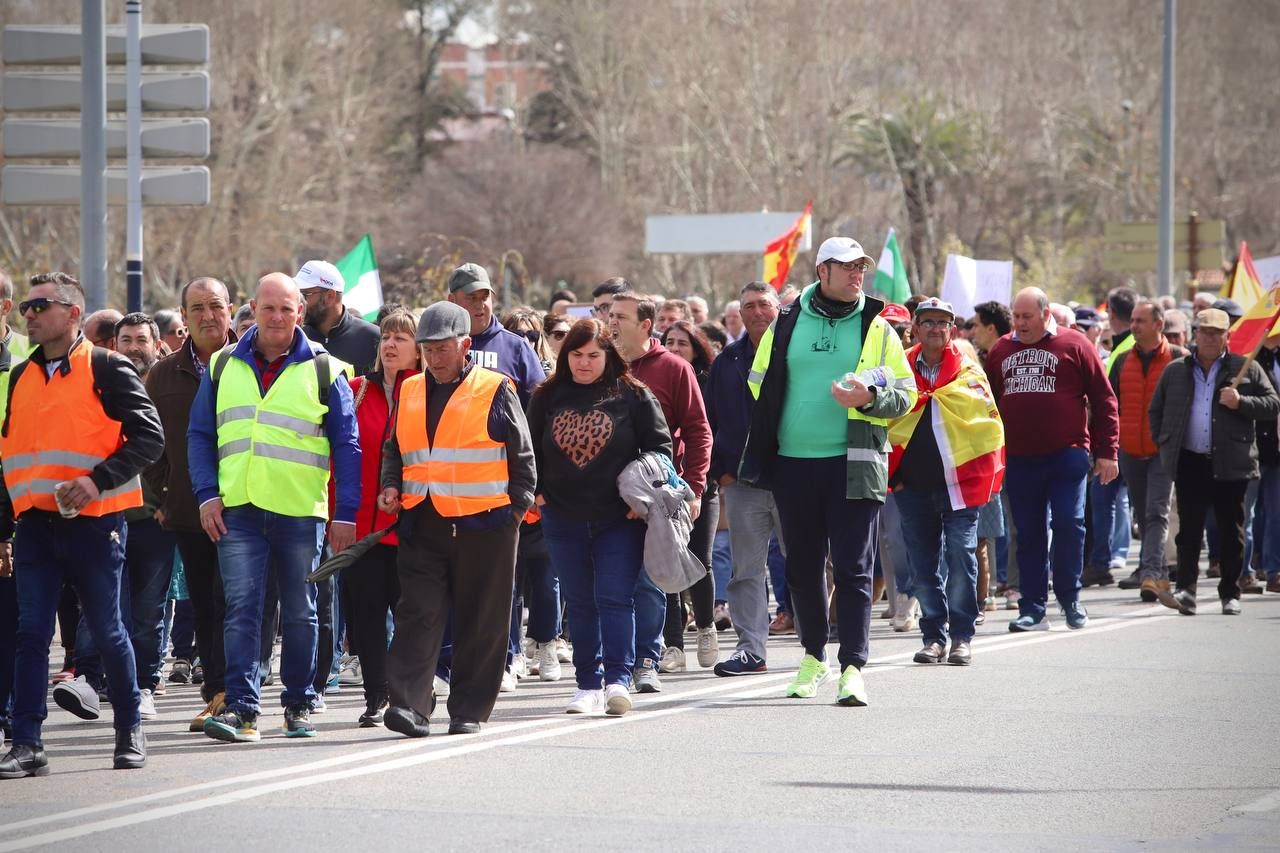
(197, 674)
(373, 712)
(740, 663)
(233, 727)
(180, 672)
(297, 722)
(1134, 581)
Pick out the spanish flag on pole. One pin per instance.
(781, 253)
(1253, 328)
(1245, 286)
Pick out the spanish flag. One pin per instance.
(781, 253)
(1245, 286)
(1253, 328)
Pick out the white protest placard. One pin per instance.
(968, 282)
(1268, 270)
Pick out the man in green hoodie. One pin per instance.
(828, 376)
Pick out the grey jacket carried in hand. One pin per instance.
(649, 486)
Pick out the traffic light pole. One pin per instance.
(93, 154)
(133, 150)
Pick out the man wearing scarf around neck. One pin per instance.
(828, 376)
(947, 462)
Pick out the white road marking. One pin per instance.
(412, 753)
(1262, 804)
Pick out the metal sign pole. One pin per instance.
(93, 154)
(133, 150)
(1164, 270)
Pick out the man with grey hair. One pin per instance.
(751, 511)
(173, 330)
(697, 309)
(732, 319)
(17, 345)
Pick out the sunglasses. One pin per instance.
(40, 305)
(532, 335)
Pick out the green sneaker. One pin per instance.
(813, 673)
(852, 691)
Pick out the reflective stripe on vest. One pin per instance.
(465, 472)
(273, 451)
(51, 416)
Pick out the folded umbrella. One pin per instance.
(342, 559)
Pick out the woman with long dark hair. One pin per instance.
(690, 343)
(588, 421)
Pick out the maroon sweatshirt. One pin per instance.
(1053, 394)
(672, 381)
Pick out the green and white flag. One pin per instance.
(360, 271)
(891, 273)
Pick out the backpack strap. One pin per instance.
(14, 375)
(100, 361)
(324, 375)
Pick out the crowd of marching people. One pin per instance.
(440, 504)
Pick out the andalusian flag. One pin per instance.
(1253, 328)
(360, 271)
(781, 253)
(891, 273)
(1245, 287)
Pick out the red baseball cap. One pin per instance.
(895, 313)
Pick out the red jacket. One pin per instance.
(374, 418)
(673, 382)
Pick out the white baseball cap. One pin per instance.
(320, 274)
(840, 249)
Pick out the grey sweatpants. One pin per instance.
(753, 516)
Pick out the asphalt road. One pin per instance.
(1147, 730)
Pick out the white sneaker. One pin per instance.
(508, 682)
(548, 663)
(519, 667)
(349, 671)
(672, 659)
(563, 653)
(646, 677)
(586, 702)
(617, 700)
(440, 687)
(147, 705)
(906, 613)
(708, 647)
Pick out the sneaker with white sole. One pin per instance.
(440, 687)
(349, 673)
(672, 660)
(78, 697)
(646, 677)
(708, 647)
(1011, 599)
(1230, 607)
(586, 702)
(548, 663)
(564, 654)
(906, 614)
(520, 667)
(509, 682)
(617, 699)
(147, 704)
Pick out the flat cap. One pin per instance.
(443, 320)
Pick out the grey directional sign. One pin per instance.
(60, 185)
(34, 91)
(60, 138)
(162, 44)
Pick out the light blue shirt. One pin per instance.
(1199, 435)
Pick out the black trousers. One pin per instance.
(204, 587)
(371, 586)
(441, 566)
(702, 593)
(818, 519)
(1198, 493)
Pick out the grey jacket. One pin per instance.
(645, 485)
(1235, 452)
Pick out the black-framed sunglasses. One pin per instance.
(532, 335)
(40, 304)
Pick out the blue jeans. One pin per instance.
(942, 550)
(88, 552)
(721, 565)
(1035, 485)
(1109, 514)
(894, 546)
(148, 570)
(651, 615)
(256, 539)
(1250, 505)
(1269, 495)
(598, 564)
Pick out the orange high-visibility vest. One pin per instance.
(58, 431)
(465, 471)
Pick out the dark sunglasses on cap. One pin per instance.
(40, 304)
